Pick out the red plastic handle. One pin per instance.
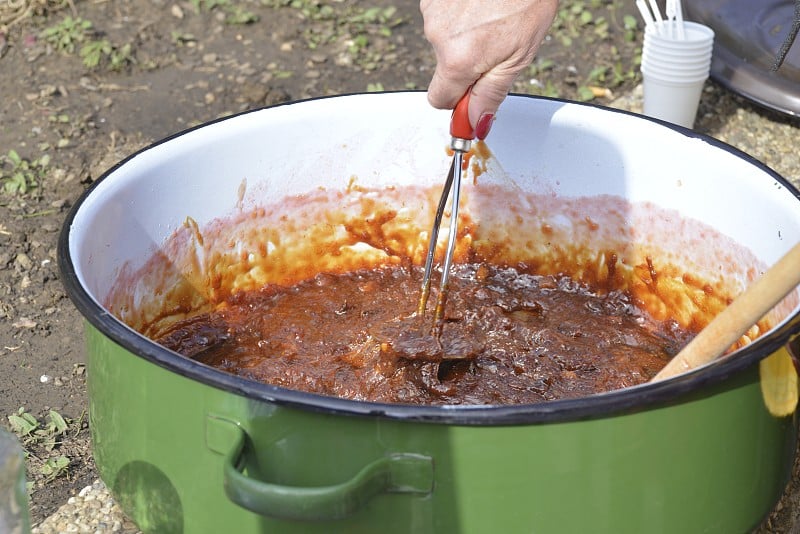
(459, 122)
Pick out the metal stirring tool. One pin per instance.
(462, 135)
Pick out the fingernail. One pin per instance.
(484, 125)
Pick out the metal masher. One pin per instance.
(462, 135)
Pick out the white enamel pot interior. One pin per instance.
(394, 139)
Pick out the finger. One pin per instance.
(488, 92)
(445, 92)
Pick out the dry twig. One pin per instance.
(14, 11)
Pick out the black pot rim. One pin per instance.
(606, 404)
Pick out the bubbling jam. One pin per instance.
(509, 336)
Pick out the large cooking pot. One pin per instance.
(188, 448)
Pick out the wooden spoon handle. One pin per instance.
(730, 324)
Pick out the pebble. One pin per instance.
(23, 261)
(92, 510)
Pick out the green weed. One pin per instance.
(234, 12)
(54, 467)
(572, 19)
(355, 25)
(67, 34)
(41, 436)
(631, 26)
(76, 33)
(19, 176)
(96, 51)
(31, 431)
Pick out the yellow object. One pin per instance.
(779, 383)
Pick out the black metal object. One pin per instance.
(789, 41)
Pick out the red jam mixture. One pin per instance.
(508, 337)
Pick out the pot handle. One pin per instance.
(393, 473)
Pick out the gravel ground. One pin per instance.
(92, 510)
(769, 137)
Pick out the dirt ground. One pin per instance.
(85, 83)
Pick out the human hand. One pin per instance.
(485, 45)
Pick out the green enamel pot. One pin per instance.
(188, 448)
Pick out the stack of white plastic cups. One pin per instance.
(675, 65)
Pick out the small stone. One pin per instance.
(24, 322)
(44, 379)
(47, 90)
(23, 261)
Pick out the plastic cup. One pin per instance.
(675, 62)
(672, 101)
(14, 515)
(675, 55)
(677, 67)
(674, 70)
(696, 35)
(671, 74)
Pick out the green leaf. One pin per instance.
(14, 157)
(22, 425)
(55, 466)
(598, 73)
(238, 15)
(59, 423)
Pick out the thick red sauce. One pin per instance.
(605, 292)
(508, 336)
